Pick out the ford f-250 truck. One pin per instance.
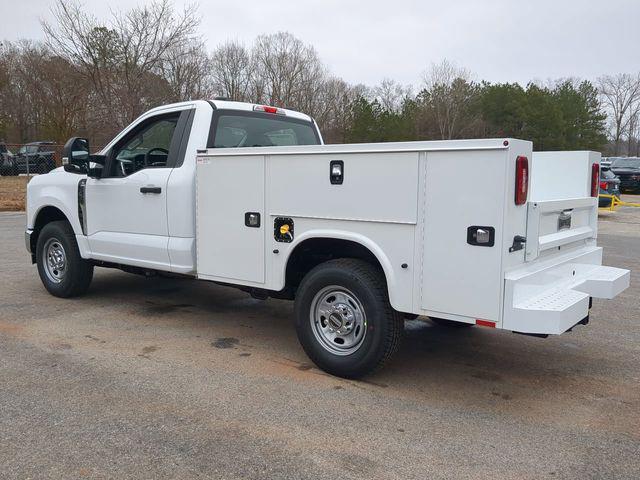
(361, 236)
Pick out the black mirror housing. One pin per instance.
(75, 155)
(95, 165)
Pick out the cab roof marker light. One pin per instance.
(268, 109)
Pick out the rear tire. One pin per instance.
(344, 320)
(64, 273)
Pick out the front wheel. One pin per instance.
(64, 273)
(344, 320)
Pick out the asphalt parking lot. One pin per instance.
(163, 378)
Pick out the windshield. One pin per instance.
(240, 129)
(626, 163)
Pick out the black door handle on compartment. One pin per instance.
(150, 190)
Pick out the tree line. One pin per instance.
(92, 77)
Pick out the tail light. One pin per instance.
(595, 176)
(522, 180)
(604, 185)
(268, 109)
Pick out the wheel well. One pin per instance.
(45, 215)
(314, 251)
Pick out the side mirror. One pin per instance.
(75, 155)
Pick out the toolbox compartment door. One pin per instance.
(458, 277)
(227, 190)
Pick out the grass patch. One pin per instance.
(13, 192)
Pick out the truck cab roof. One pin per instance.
(219, 104)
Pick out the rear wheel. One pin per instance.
(344, 320)
(64, 273)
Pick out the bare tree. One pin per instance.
(620, 95)
(232, 72)
(41, 95)
(391, 94)
(288, 71)
(335, 118)
(187, 69)
(123, 59)
(449, 93)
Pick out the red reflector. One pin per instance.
(522, 180)
(604, 185)
(485, 323)
(595, 176)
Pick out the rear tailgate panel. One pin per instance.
(554, 224)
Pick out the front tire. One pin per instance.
(344, 320)
(64, 273)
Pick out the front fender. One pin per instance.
(57, 189)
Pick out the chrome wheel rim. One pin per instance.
(338, 320)
(54, 260)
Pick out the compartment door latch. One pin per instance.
(481, 236)
(336, 172)
(518, 243)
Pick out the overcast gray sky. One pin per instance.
(366, 41)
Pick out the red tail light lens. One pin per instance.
(522, 180)
(595, 176)
(268, 109)
(604, 185)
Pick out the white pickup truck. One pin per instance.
(361, 236)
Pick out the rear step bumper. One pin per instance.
(551, 296)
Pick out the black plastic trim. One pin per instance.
(82, 205)
(247, 217)
(336, 179)
(188, 116)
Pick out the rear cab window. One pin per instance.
(236, 129)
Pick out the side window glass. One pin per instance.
(146, 147)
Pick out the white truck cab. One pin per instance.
(361, 236)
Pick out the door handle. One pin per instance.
(150, 190)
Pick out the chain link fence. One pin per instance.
(29, 158)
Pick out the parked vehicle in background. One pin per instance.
(6, 160)
(609, 185)
(39, 156)
(628, 170)
(606, 161)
